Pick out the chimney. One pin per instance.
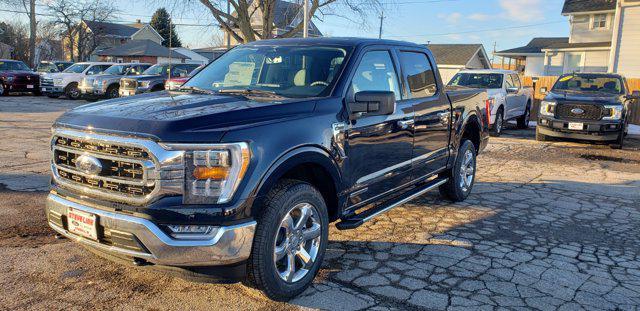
(138, 21)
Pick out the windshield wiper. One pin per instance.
(249, 92)
(195, 89)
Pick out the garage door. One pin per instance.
(628, 62)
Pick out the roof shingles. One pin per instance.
(453, 54)
(536, 45)
(141, 48)
(576, 6)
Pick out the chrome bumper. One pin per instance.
(228, 245)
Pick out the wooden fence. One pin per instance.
(548, 81)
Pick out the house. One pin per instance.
(110, 35)
(142, 51)
(452, 58)
(287, 15)
(6, 51)
(604, 37)
(530, 58)
(194, 57)
(211, 53)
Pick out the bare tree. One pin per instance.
(239, 24)
(15, 34)
(29, 7)
(70, 16)
(49, 45)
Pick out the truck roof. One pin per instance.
(502, 71)
(349, 41)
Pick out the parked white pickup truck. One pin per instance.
(67, 81)
(509, 99)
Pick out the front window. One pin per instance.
(589, 83)
(477, 80)
(76, 68)
(117, 70)
(17, 66)
(157, 70)
(599, 21)
(290, 71)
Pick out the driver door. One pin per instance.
(378, 148)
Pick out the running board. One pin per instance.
(359, 219)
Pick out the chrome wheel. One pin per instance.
(527, 116)
(498, 125)
(297, 242)
(467, 171)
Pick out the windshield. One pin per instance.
(47, 67)
(76, 68)
(19, 66)
(477, 80)
(156, 70)
(117, 70)
(290, 71)
(590, 83)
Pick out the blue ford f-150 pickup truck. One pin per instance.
(238, 174)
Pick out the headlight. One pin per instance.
(145, 83)
(57, 81)
(96, 82)
(612, 112)
(10, 79)
(213, 172)
(547, 108)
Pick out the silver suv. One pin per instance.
(107, 84)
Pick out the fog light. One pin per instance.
(192, 232)
(544, 122)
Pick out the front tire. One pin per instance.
(618, 143)
(498, 125)
(73, 92)
(290, 241)
(462, 176)
(113, 92)
(3, 90)
(541, 137)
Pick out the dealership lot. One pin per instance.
(548, 225)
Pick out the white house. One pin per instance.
(604, 37)
(452, 58)
(194, 57)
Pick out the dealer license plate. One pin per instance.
(82, 224)
(576, 126)
(29, 86)
(44, 89)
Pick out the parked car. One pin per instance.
(153, 79)
(52, 66)
(587, 106)
(242, 172)
(107, 84)
(175, 83)
(509, 99)
(16, 76)
(66, 82)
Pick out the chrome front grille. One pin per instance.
(130, 170)
(586, 111)
(46, 82)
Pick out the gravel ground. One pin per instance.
(549, 226)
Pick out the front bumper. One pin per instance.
(22, 87)
(604, 130)
(136, 237)
(131, 92)
(52, 89)
(89, 90)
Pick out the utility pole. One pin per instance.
(305, 29)
(381, 19)
(32, 33)
(228, 34)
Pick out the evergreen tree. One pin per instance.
(161, 21)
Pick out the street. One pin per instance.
(551, 226)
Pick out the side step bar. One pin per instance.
(359, 219)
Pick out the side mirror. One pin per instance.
(543, 90)
(374, 103)
(635, 95)
(512, 90)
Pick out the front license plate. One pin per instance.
(44, 89)
(82, 223)
(29, 86)
(576, 126)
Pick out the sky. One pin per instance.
(505, 23)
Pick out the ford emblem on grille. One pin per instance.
(577, 111)
(88, 164)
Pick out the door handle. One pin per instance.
(405, 124)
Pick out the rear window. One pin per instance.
(416, 66)
(477, 80)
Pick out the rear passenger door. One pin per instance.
(378, 148)
(515, 97)
(432, 112)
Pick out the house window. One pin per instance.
(599, 21)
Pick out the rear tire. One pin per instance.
(498, 125)
(290, 240)
(523, 121)
(541, 137)
(462, 176)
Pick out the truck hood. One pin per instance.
(182, 117)
(585, 97)
(18, 73)
(144, 77)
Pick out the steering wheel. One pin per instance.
(319, 83)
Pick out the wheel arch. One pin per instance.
(310, 164)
